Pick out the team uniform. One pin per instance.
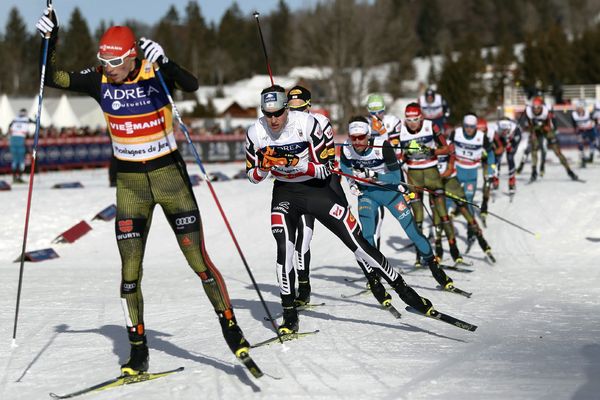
(381, 159)
(490, 167)
(299, 189)
(584, 126)
(419, 152)
(541, 126)
(17, 132)
(150, 171)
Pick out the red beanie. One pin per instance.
(116, 41)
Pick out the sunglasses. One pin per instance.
(358, 137)
(413, 120)
(275, 114)
(113, 62)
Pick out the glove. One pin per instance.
(269, 159)
(413, 147)
(48, 23)
(377, 125)
(365, 173)
(153, 51)
(318, 171)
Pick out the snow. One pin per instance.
(537, 308)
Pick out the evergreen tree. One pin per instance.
(168, 34)
(15, 50)
(77, 50)
(279, 37)
(197, 47)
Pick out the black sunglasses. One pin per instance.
(275, 114)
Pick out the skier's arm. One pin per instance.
(394, 176)
(178, 77)
(442, 145)
(254, 173)
(87, 81)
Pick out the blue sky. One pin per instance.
(120, 10)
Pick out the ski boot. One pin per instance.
(376, 287)
(410, 297)
(456, 257)
(303, 297)
(572, 175)
(138, 356)
(533, 176)
(232, 333)
(290, 321)
(590, 159)
(439, 275)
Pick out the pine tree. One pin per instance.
(77, 50)
(15, 49)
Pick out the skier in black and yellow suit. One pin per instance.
(150, 169)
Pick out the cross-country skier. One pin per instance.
(421, 143)
(17, 132)
(455, 193)
(299, 99)
(586, 129)
(509, 134)
(540, 125)
(150, 169)
(387, 127)
(469, 145)
(375, 160)
(290, 146)
(434, 108)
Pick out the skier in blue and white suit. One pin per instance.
(374, 159)
(469, 144)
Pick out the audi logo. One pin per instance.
(185, 220)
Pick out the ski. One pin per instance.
(352, 280)
(285, 338)
(393, 310)
(362, 292)
(249, 363)
(593, 239)
(455, 268)
(460, 261)
(454, 289)
(118, 381)
(305, 307)
(490, 257)
(511, 196)
(445, 318)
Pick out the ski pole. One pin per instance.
(31, 175)
(452, 196)
(262, 41)
(216, 199)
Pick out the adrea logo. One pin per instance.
(133, 93)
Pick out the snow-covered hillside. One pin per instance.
(537, 308)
